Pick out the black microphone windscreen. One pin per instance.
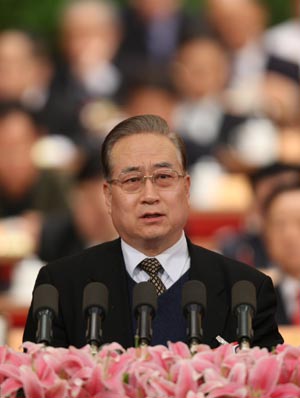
(144, 293)
(194, 292)
(45, 297)
(243, 292)
(95, 294)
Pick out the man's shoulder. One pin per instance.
(218, 263)
(282, 28)
(100, 253)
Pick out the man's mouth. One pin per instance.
(152, 215)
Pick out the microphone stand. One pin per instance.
(94, 329)
(44, 329)
(144, 305)
(195, 331)
(244, 330)
(144, 330)
(194, 306)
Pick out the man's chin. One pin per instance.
(158, 241)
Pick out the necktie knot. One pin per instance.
(152, 266)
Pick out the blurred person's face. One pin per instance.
(267, 185)
(20, 70)
(17, 136)
(153, 101)
(151, 220)
(89, 35)
(201, 69)
(237, 21)
(282, 232)
(289, 145)
(280, 98)
(90, 213)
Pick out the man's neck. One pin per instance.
(153, 248)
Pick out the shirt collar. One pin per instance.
(173, 260)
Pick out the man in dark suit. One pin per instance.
(147, 195)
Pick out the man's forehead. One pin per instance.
(145, 151)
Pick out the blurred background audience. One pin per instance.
(152, 31)
(247, 244)
(223, 73)
(283, 38)
(281, 231)
(240, 26)
(85, 223)
(27, 192)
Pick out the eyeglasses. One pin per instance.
(133, 182)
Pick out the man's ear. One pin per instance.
(107, 195)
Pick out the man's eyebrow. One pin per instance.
(159, 165)
(130, 169)
(163, 164)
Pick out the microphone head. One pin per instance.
(193, 292)
(45, 297)
(243, 293)
(95, 294)
(144, 293)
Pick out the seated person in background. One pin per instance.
(87, 221)
(27, 193)
(23, 186)
(283, 39)
(240, 25)
(147, 192)
(247, 245)
(26, 69)
(200, 74)
(27, 75)
(150, 90)
(153, 30)
(87, 77)
(282, 236)
(89, 38)
(261, 119)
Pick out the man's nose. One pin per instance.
(149, 191)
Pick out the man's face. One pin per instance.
(152, 219)
(282, 232)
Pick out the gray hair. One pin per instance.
(139, 125)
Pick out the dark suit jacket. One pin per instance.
(104, 263)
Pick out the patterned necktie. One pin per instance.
(152, 266)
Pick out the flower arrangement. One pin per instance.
(158, 371)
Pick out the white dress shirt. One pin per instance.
(283, 40)
(290, 289)
(175, 262)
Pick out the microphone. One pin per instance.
(45, 309)
(95, 305)
(194, 307)
(144, 307)
(244, 306)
